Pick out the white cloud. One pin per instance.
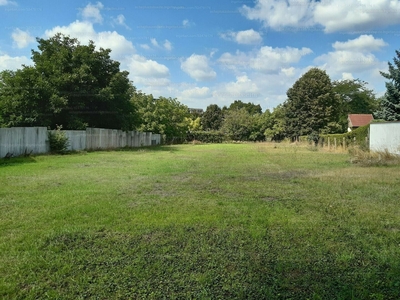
(278, 14)
(197, 67)
(196, 92)
(92, 12)
(154, 42)
(352, 56)
(13, 63)
(332, 15)
(167, 45)
(351, 60)
(213, 51)
(242, 88)
(289, 72)
(139, 66)
(7, 2)
(84, 32)
(364, 43)
(247, 37)
(336, 15)
(22, 38)
(347, 61)
(120, 20)
(347, 76)
(266, 59)
(186, 23)
(145, 46)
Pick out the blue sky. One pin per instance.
(215, 52)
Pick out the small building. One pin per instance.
(357, 120)
(385, 136)
(196, 111)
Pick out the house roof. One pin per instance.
(356, 120)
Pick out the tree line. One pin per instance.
(78, 86)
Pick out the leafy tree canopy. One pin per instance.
(275, 123)
(355, 98)
(70, 84)
(212, 118)
(240, 125)
(390, 103)
(250, 107)
(312, 106)
(164, 115)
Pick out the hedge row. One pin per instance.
(356, 137)
(206, 136)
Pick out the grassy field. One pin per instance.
(228, 221)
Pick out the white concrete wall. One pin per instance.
(20, 140)
(76, 139)
(98, 138)
(385, 136)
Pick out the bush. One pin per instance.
(206, 136)
(356, 137)
(58, 140)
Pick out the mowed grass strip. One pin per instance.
(244, 221)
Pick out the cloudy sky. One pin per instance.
(215, 52)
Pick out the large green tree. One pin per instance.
(275, 123)
(240, 125)
(212, 118)
(390, 103)
(355, 98)
(312, 106)
(237, 124)
(165, 116)
(70, 84)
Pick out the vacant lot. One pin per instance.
(247, 221)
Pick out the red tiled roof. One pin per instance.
(356, 120)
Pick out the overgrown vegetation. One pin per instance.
(226, 221)
(373, 158)
(58, 140)
(206, 136)
(356, 137)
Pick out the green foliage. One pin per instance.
(212, 118)
(356, 137)
(58, 140)
(311, 105)
(251, 108)
(390, 103)
(194, 124)
(355, 98)
(209, 136)
(70, 84)
(240, 125)
(275, 123)
(165, 116)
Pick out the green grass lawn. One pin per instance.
(228, 221)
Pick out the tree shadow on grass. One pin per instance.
(15, 161)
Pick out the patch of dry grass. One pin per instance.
(373, 158)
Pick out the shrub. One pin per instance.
(206, 136)
(356, 137)
(58, 140)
